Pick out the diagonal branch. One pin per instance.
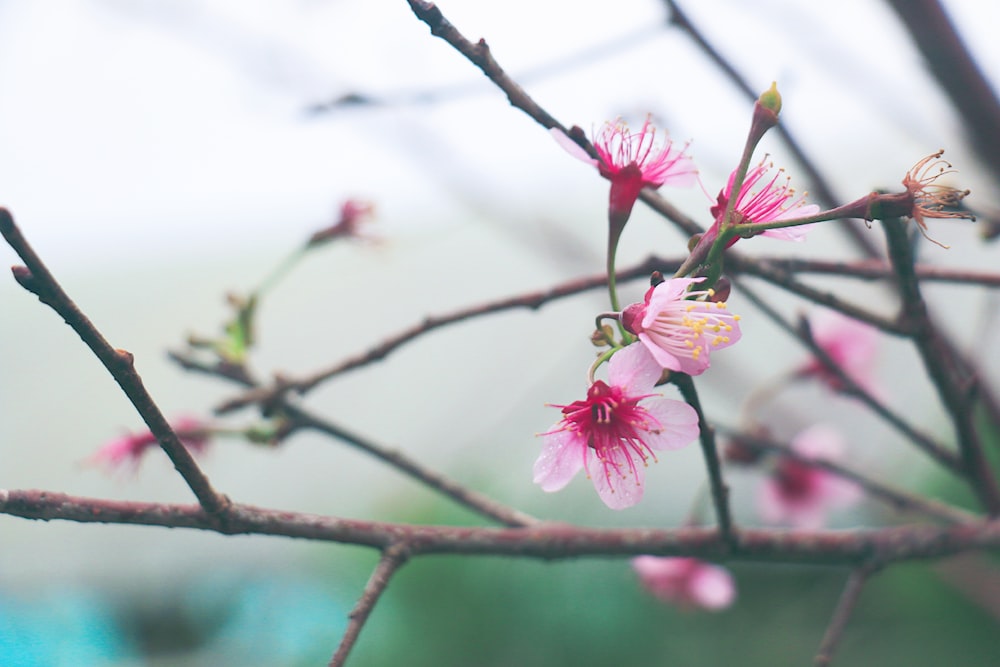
(842, 614)
(37, 279)
(393, 558)
(955, 383)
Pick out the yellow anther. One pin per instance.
(689, 343)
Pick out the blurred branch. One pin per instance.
(546, 541)
(393, 558)
(955, 383)
(845, 607)
(870, 269)
(36, 278)
(924, 442)
(956, 72)
(897, 498)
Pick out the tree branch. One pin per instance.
(37, 279)
(845, 607)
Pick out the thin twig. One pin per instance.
(37, 279)
(301, 418)
(709, 450)
(897, 498)
(548, 541)
(869, 269)
(393, 558)
(842, 614)
(954, 381)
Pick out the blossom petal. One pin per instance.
(634, 369)
(571, 146)
(560, 460)
(619, 489)
(712, 587)
(678, 424)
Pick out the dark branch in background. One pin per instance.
(36, 278)
(897, 498)
(870, 269)
(393, 558)
(956, 384)
(548, 541)
(845, 607)
(821, 188)
(925, 443)
(955, 70)
(710, 452)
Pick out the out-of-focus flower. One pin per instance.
(849, 343)
(801, 495)
(632, 161)
(353, 214)
(931, 199)
(614, 432)
(686, 582)
(678, 331)
(129, 449)
(773, 202)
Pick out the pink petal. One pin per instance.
(618, 491)
(571, 146)
(679, 421)
(712, 587)
(560, 460)
(634, 369)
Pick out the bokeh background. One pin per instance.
(159, 155)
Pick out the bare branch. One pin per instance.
(845, 607)
(548, 541)
(36, 278)
(393, 558)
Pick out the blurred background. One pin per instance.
(160, 155)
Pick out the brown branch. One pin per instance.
(869, 269)
(393, 558)
(924, 442)
(954, 381)
(845, 607)
(544, 541)
(710, 452)
(37, 279)
(897, 498)
(301, 418)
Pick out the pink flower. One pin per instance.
(687, 582)
(801, 495)
(768, 204)
(615, 430)
(678, 331)
(353, 213)
(850, 343)
(632, 161)
(130, 448)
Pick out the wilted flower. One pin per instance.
(772, 202)
(129, 449)
(687, 582)
(681, 332)
(800, 494)
(930, 199)
(632, 161)
(614, 431)
(850, 343)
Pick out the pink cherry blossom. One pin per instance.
(681, 332)
(770, 203)
(352, 215)
(850, 343)
(686, 582)
(614, 432)
(130, 448)
(801, 495)
(632, 161)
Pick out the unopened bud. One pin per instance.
(602, 337)
(771, 99)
